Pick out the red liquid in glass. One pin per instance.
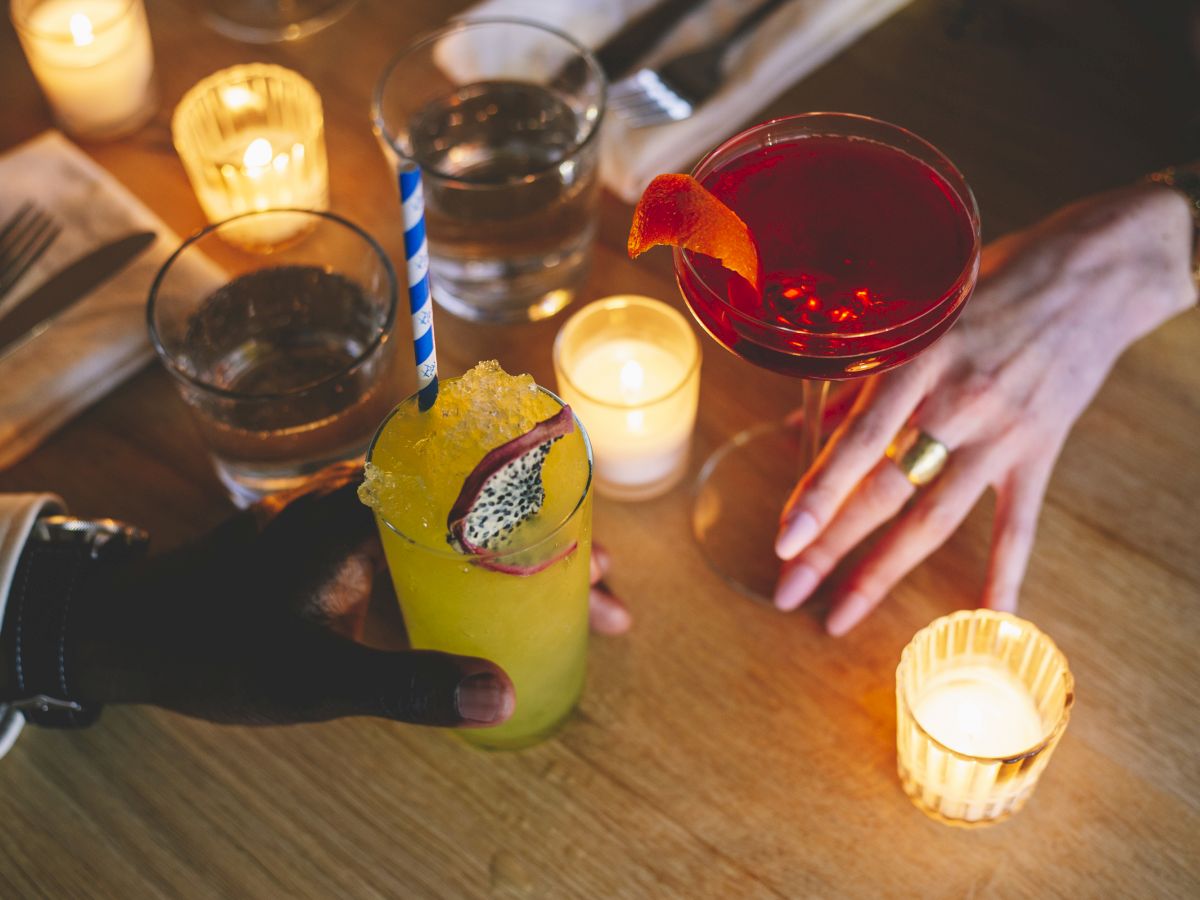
(866, 254)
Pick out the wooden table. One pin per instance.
(722, 749)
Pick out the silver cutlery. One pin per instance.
(672, 91)
(26, 235)
(37, 311)
(621, 51)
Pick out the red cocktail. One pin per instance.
(868, 251)
(868, 240)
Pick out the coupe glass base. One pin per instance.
(739, 494)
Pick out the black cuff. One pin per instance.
(47, 581)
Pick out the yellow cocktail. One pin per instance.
(521, 601)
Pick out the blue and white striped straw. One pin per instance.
(420, 301)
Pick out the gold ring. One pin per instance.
(918, 455)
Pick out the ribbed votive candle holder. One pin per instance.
(982, 699)
(252, 138)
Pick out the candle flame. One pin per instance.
(632, 376)
(258, 154)
(81, 29)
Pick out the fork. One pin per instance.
(672, 92)
(27, 234)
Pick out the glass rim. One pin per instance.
(21, 22)
(450, 553)
(1051, 736)
(378, 339)
(214, 81)
(275, 34)
(623, 301)
(465, 23)
(683, 259)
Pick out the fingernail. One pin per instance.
(483, 698)
(795, 534)
(598, 564)
(795, 585)
(606, 614)
(848, 613)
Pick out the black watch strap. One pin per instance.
(59, 559)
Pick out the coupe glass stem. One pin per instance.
(816, 390)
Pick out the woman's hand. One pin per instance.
(258, 623)
(1054, 307)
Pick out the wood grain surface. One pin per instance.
(721, 750)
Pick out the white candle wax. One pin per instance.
(982, 711)
(979, 710)
(626, 393)
(94, 61)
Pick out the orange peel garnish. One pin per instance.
(679, 211)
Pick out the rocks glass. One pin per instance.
(502, 117)
(287, 362)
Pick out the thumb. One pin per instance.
(425, 687)
(422, 687)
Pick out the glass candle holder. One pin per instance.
(252, 138)
(630, 368)
(982, 699)
(93, 60)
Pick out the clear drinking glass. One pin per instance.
(982, 700)
(502, 117)
(287, 362)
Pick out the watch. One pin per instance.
(60, 555)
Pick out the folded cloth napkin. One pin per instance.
(101, 340)
(795, 39)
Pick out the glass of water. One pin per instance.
(502, 116)
(286, 361)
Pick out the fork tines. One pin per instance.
(643, 98)
(23, 240)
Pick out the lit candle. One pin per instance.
(979, 711)
(630, 368)
(252, 138)
(982, 699)
(93, 60)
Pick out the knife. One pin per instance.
(36, 312)
(627, 47)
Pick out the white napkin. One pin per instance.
(102, 339)
(791, 42)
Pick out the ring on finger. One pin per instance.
(919, 455)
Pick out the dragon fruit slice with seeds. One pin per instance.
(503, 491)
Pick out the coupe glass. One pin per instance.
(272, 21)
(869, 241)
